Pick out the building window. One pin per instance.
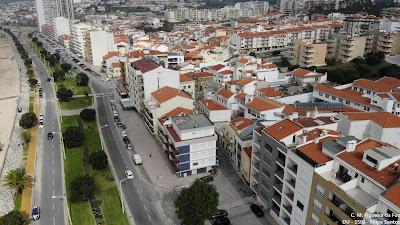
(268, 147)
(320, 93)
(347, 102)
(362, 179)
(368, 92)
(300, 205)
(369, 158)
(326, 95)
(333, 98)
(319, 191)
(195, 164)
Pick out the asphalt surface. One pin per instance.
(140, 207)
(49, 171)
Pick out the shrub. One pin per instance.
(82, 188)
(58, 75)
(28, 120)
(98, 160)
(66, 67)
(32, 82)
(88, 114)
(12, 218)
(73, 137)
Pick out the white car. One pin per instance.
(123, 133)
(41, 124)
(129, 174)
(41, 117)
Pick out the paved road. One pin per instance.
(49, 171)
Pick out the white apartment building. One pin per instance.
(80, 42)
(214, 111)
(101, 42)
(146, 76)
(61, 27)
(365, 95)
(163, 101)
(192, 143)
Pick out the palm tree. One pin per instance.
(17, 179)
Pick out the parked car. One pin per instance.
(124, 134)
(137, 159)
(49, 136)
(36, 213)
(41, 124)
(256, 209)
(41, 117)
(207, 178)
(222, 221)
(129, 146)
(48, 79)
(126, 140)
(129, 174)
(219, 213)
(119, 124)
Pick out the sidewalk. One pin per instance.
(26, 202)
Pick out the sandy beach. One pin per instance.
(9, 92)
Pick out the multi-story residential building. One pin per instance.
(308, 53)
(361, 25)
(146, 76)
(388, 42)
(80, 43)
(365, 95)
(263, 109)
(64, 8)
(188, 85)
(200, 78)
(382, 126)
(101, 42)
(388, 24)
(61, 27)
(215, 111)
(47, 10)
(191, 144)
(344, 48)
(356, 182)
(163, 101)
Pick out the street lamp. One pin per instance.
(121, 195)
(65, 198)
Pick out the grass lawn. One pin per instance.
(81, 213)
(70, 83)
(106, 188)
(77, 103)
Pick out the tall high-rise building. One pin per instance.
(47, 10)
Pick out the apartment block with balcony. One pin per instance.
(146, 76)
(191, 144)
(354, 183)
(80, 43)
(163, 101)
(388, 42)
(306, 53)
(345, 48)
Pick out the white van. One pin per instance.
(137, 159)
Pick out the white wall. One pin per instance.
(101, 42)
(220, 115)
(61, 26)
(307, 97)
(158, 78)
(195, 133)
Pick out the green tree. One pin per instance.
(98, 160)
(28, 120)
(82, 79)
(12, 218)
(391, 70)
(32, 82)
(364, 70)
(88, 114)
(197, 203)
(336, 76)
(64, 94)
(17, 179)
(59, 75)
(82, 188)
(35, 39)
(66, 67)
(73, 137)
(372, 59)
(252, 54)
(309, 88)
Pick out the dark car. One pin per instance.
(256, 209)
(222, 221)
(207, 178)
(36, 213)
(119, 124)
(48, 79)
(219, 213)
(49, 136)
(126, 140)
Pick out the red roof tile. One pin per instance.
(212, 105)
(240, 123)
(383, 119)
(216, 67)
(313, 151)
(225, 93)
(393, 194)
(270, 92)
(385, 84)
(260, 105)
(184, 78)
(282, 129)
(243, 82)
(145, 65)
(166, 93)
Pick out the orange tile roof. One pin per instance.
(212, 105)
(393, 194)
(314, 133)
(313, 151)
(110, 55)
(241, 96)
(239, 123)
(177, 111)
(198, 75)
(282, 129)
(116, 65)
(267, 66)
(184, 78)
(136, 54)
(347, 94)
(225, 93)
(300, 72)
(383, 119)
(166, 93)
(226, 72)
(385, 84)
(385, 177)
(270, 92)
(216, 67)
(259, 104)
(243, 82)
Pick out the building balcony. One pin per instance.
(278, 186)
(148, 113)
(281, 161)
(293, 168)
(257, 154)
(277, 199)
(289, 194)
(288, 208)
(292, 182)
(173, 158)
(275, 209)
(173, 150)
(279, 174)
